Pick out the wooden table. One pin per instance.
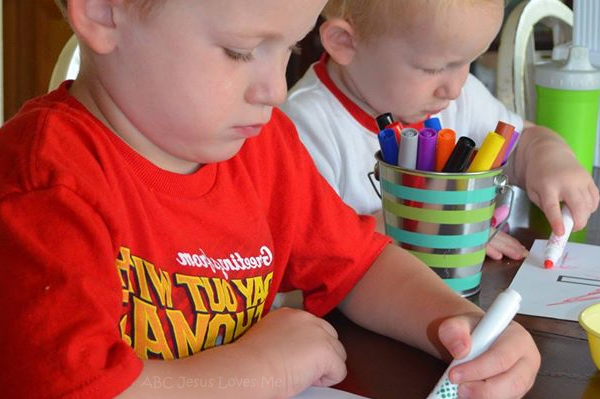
(379, 367)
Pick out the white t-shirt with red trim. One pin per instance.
(342, 138)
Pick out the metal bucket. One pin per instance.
(444, 219)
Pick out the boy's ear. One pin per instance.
(338, 39)
(93, 22)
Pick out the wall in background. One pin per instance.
(34, 33)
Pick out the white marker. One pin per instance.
(556, 244)
(497, 318)
(407, 151)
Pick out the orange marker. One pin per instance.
(445, 144)
(505, 130)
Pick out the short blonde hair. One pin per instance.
(144, 5)
(375, 18)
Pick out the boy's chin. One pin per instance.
(413, 119)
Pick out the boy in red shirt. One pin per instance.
(144, 218)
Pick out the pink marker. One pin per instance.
(500, 213)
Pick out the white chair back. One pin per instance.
(67, 65)
(515, 86)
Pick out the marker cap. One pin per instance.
(426, 150)
(407, 153)
(511, 145)
(445, 144)
(384, 120)
(504, 129)
(487, 153)
(433, 123)
(460, 156)
(389, 146)
(500, 213)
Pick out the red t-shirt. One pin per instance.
(108, 259)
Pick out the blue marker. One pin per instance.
(389, 146)
(433, 123)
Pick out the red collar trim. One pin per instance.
(366, 120)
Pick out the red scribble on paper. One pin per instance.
(563, 265)
(592, 295)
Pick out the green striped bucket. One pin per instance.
(443, 219)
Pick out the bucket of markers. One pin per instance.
(439, 194)
(443, 219)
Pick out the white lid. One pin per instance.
(577, 73)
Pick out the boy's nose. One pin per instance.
(451, 87)
(269, 89)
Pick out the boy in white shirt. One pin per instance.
(411, 58)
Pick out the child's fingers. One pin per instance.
(335, 372)
(513, 384)
(580, 204)
(455, 335)
(505, 244)
(593, 190)
(492, 251)
(551, 207)
(500, 358)
(485, 366)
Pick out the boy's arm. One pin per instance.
(545, 166)
(401, 298)
(287, 351)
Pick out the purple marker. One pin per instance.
(511, 145)
(426, 152)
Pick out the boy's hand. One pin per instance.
(298, 348)
(506, 370)
(505, 245)
(565, 181)
(553, 175)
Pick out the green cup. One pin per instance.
(568, 99)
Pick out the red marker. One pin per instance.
(387, 121)
(556, 244)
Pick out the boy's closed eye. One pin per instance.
(433, 71)
(239, 55)
(247, 56)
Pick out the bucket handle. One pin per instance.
(371, 177)
(374, 174)
(502, 182)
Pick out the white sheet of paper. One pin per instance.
(563, 291)
(327, 393)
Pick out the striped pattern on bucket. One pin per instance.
(443, 219)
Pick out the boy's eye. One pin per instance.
(433, 71)
(238, 56)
